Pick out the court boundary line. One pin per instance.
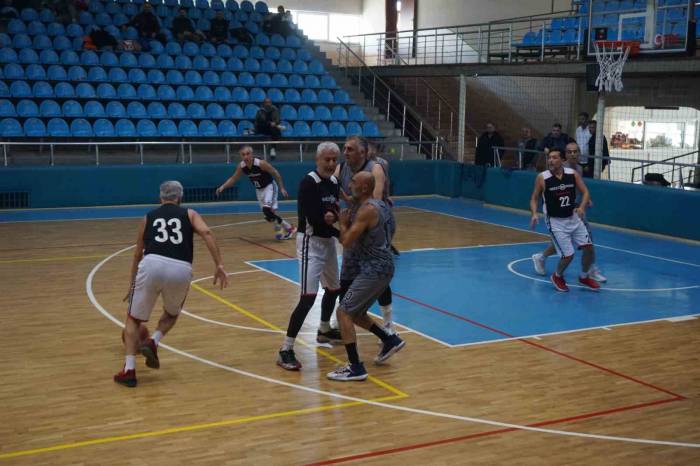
(104, 312)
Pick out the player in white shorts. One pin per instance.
(557, 186)
(268, 184)
(162, 266)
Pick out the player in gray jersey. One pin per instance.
(538, 260)
(369, 234)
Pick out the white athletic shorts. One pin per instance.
(267, 196)
(159, 275)
(318, 263)
(567, 234)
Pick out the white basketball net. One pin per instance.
(612, 60)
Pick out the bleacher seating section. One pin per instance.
(50, 87)
(671, 19)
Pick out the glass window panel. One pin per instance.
(314, 25)
(664, 135)
(628, 134)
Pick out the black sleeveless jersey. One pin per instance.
(169, 233)
(560, 194)
(259, 177)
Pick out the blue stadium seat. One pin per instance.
(187, 128)
(275, 95)
(215, 111)
(328, 82)
(94, 109)
(309, 96)
(234, 64)
(125, 129)
(224, 51)
(193, 78)
(292, 95)
(284, 66)
(167, 128)
(322, 113)
(85, 18)
(175, 78)
(21, 41)
(5, 40)
(240, 51)
(226, 129)
(263, 80)
(203, 93)
(316, 67)
(50, 109)
(14, 71)
(27, 108)
(196, 111)
(176, 111)
(10, 128)
(272, 53)
(8, 55)
(156, 77)
(296, 80)
(304, 112)
(325, 96)
(103, 128)
(34, 128)
(207, 49)
(245, 127)
(36, 28)
(81, 128)
(339, 114)
(279, 80)
(16, 26)
(7, 108)
(190, 49)
(228, 79)
(76, 73)
(370, 130)
(336, 129)
(353, 128)
(120, 20)
(252, 27)
(311, 81)
(29, 56)
(118, 75)
(74, 30)
(183, 62)
(146, 60)
(4, 90)
(222, 94)
(217, 63)
(356, 113)
(42, 42)
(200, 62)
(207, 129)
(277, 41)
(256, 52)
(288, 129)
(257, 94)
(72, 109)
(288, 54)
(126, 91)
(173, 48)
(233, 111)
(128, 60)
(46, 16)
(239, 94)
(301, 129)
(246, 79)
(68, 58)
(29, 14)
(287, 112)
(146, 129)
(232, 5)
(146, 92)
(58, 127)
(97, 73)
(20, 89)
(341, 97)
(156, 48)
(166, 92)
(89, 58)
(164, 62)
(250, 111)
(115, 110)
(293, 41)
(106, 91)
(62, 43)
(184, 93)
(136, 110)
(252, 65)
(156, 110)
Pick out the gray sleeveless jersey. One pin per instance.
(372, 249)
(387, 184)
(346, 175)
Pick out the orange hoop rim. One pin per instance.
(633, 45)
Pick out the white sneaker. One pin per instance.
(538, 262)
(595, 274)
(273, 152)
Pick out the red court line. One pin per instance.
(266, 247)
(417, 446)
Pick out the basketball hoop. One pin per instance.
(611, 56)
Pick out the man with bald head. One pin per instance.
(367, 230)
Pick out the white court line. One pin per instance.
(474, 246)
(543, 234)
(104, 312)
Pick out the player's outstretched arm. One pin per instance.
(534, 200)
(266, 166)
(203, 230)
(230, 181)
(138, 255)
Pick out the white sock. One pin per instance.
(130, 362)
(157, 335)
(324, 326)
(386, 315)
(286, 225)
(288, 343)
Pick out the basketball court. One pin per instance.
(499, 367)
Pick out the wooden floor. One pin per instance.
(222, 400)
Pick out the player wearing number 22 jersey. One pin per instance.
(558, 187)
(162, 266)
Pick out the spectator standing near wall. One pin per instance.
(527, 143)
(555, 140)
(485, 144)
(588, 169)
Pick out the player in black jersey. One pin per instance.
(558, 187)
(267, 182)
(318, 207)
(162, 265)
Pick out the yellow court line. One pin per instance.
(272, 326)
(50, 259)
(189, 428)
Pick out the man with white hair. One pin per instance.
(318, 209)
(162, 265)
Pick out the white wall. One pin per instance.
(373, 16)
(349, 7)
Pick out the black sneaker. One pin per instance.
(388, 349)
(348, 373)
(287, 360)
(332, 336)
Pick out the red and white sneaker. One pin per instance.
(127, 378)
(559, 283)
(589, 283)
(149, 349)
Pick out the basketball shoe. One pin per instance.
(538, 263)
(559, 282)
(349, 373)
(127, 378)
(287, 360)
(393, 346)
(150, 351)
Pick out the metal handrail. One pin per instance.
(403, 106)
(654, 162)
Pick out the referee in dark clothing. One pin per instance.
(318, 209)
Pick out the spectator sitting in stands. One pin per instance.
(65, 11)
(555, 139)
(278, 23)
(183, 28)
(527, 143)
(588, 169)
(267, 122)
(242, 35)
(484, 146)
(101, 39)
(218, 33)
(147, 25)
